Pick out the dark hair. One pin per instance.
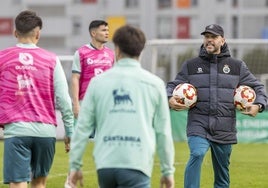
(96, 23)
(26, 21)
(130, 40)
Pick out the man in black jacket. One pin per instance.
(211, 123)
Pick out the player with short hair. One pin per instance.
(90, 60)
(128, 107)
(32, 86)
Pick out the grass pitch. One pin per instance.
(248, 169)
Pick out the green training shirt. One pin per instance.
(128, 107)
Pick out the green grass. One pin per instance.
(248, 169)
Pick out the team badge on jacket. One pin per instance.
(226, 69)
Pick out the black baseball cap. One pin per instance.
(214, 29)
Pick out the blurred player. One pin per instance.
(89, 61)
(128, 107)
(32, 84)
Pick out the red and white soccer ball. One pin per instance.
(243, 96)
(187, 94)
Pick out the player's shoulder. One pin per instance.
(150, 77)
(108, 48)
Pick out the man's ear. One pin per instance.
(15, 33)
(92, 32)
(117, 52)
(37, 37)
(223, 41)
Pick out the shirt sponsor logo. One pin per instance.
(98, 71)
(121, 96)
(122, 101)
(122, 138)
(99, 61)
(24, 81)
(27, 62)
(90, 61)
(26, 58)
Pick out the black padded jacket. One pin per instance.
(215, 78)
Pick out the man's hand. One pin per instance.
(167, 182)
(67, 141)
(75, 177)
(251, 110)
(175, 105)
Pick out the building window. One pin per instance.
(84, 1)
(164, 28)
(6, 26)
(89, 1)
(183, 27)
(164, 4)
(77, 29)
(235, 3)
(132, 3)
(194, 3)
(16, 2)
(134, 21)
(234, 27)
(183, 3)
(48, 10)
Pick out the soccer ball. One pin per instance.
(187, 94)
(243, 96)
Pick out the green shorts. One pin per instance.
(27, 158)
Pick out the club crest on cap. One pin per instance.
(211, 26)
